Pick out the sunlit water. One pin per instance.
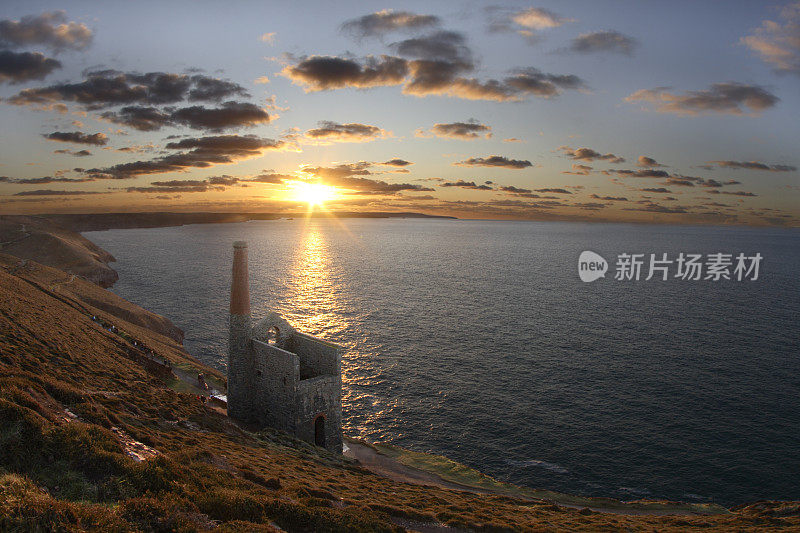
(478, 341)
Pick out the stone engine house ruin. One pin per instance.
(277, 376)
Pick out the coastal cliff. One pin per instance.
(36, 238)
(102, 429)
(84, 266)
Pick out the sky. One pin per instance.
(632, 111)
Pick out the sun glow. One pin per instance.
(312, 193)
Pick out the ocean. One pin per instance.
(477, 340)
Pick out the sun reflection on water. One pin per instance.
(315, 288)
(321, 302)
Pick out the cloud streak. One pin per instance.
(753, 165)
(351, 132)
(729, 98)
(465, 131)
(95, 139)
(588, 154)
(603, 42)
(198, 152)
(497, 161)
(382, 22)
(778, 44)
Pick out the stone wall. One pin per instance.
(275, 377)
(320, 396)
(317, 357)
(240, 401)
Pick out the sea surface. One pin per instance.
(477, 340)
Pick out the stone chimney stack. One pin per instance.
(240, 284)
(239, 354)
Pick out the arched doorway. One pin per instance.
(319, 431)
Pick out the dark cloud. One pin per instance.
(515, 190)
(442, 45)
(653, 207)
(396, 162)
(554, 191)
(202, 152)
(737, 193)
(592, 206)
(175, 188)
(228, 115)
(340, 171)
(48, 179)
(494, 161)
(96, 139)
(212, 184)
(587, 154)
(471, 129)
(50, 192)
(779, 44)
(49, 29)
(25, 66)
(141, 118)
(466, 185)
(79, 153)
(660, 190)
(724, 98)
(681, 182)
(603, 41)
(578, 170)
(320, 73)
(351, 132)
(647, 162)
(269, 178)
(372, 186)
(207, 89)
(383, 22)
(754, 165)
(423, 77)
(609, 198)
(223, 180)
(109, 88)
(535, 82)
(643, 173)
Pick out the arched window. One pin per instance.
(319, 431)
(272, 335)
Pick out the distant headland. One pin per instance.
(54, 239)
(104, 221)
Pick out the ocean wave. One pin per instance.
(553, 467)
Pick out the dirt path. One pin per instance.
(389, 467)
(393, 469)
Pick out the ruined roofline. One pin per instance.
(294, 356)
(319, 340)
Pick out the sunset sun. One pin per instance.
(312, 193)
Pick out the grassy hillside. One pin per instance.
(97, 433)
